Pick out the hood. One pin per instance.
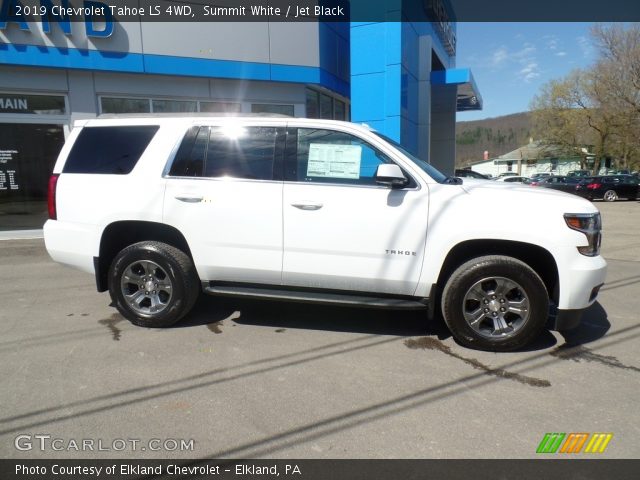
(526, 196)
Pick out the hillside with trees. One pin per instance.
(497, 135)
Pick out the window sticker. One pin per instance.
(334, 161)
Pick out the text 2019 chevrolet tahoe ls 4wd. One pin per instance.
(315, 211)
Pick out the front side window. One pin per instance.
(327, 156)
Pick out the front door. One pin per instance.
(341, 229)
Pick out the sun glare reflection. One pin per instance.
(233, 131)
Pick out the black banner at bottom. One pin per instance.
(536, 469)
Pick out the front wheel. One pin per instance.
(610, 196)
(153, 284)
(495, 303)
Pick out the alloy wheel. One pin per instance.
(146, 287)
(496, 307)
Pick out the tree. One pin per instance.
(599, 106)
(556, 121)
(619, 67)
(568, 114)
(620, 56)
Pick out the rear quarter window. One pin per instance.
(109, 150)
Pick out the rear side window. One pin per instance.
(241, 152)
(189, 160)
(109, 150)
(229, 151)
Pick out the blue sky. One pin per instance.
(510, 61)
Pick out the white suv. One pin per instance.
(160, 208)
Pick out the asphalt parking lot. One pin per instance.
(275, 380)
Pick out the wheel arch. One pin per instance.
(118, 235)
(537, 257)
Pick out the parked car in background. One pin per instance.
(508, 174)
(468, 173)
(538, 176)
(514, 179)
(579, 173)
(609, 187)
(558, 182)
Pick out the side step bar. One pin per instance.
(330, 298)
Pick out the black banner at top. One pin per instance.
(21, 12)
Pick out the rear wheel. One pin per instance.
(495, 303)
(153, 284)
(610, 196)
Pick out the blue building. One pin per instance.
(399, 77)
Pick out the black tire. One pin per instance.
(175, 269)
(479, 273)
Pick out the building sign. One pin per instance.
(34, 104)
(442, 24)
(98, 17)
(8, 180)
(7, 172)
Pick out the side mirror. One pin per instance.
(391, 175)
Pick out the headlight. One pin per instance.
(591, 225)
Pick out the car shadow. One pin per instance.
(281, 315)
(289, 315)
(594, 325)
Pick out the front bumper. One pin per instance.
(580, 278)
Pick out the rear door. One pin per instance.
(570, 184)
(630, 187)
(618, 185)
(224, 193)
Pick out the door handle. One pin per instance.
(189, 198)
(307, 205)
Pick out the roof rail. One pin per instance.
(193, 114)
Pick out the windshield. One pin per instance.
(432, 171)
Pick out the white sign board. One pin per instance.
(334, 161)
